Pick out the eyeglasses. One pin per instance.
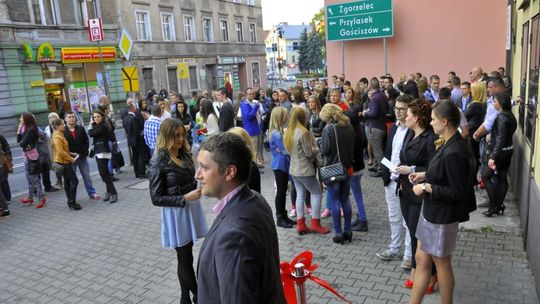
(397, 109)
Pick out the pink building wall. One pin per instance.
(431, 37)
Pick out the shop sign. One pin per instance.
(183, 70)
(126, 44)
(176, 61)
(231, 60)
(45, 53)
(28, 53)
(37, 83)
(87, 54)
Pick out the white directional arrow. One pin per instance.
(386, 29)
(330, 11)
(332, 23)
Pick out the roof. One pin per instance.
(293, 32)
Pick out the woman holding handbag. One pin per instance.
(27, 137)
(337, 146)
(102, 134)
(300, 145)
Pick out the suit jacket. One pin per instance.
(239, 259)
(452, 175)
(388, 154)
(133, 129)
(226, 117)
(80, 143)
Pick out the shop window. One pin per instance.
(44, 11)
(523, 74)
(193, 80)
(252, 33)
(256, 74)
(534, 69)
(167, 27)
(189, 28)
(148, 78)
(208, 30)
(142, 21)
(173, 79)
(224, 29)
(239, 32)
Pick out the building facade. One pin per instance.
(196, 45)
(282, 44)
(48, 62)
(524, 54)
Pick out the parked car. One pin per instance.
(289, 77)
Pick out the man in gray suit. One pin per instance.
(239, 259)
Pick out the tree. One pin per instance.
(315, 52)
(318, 22)
(303, 52)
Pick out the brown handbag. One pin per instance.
(6, 161)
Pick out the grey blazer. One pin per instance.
(303, 152)
(239, 259)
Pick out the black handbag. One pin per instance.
(331, 174)
(117, 158)
(34, 167)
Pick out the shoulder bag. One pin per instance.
(335, 173)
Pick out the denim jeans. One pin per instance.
(311, 184)
(339, 199)
(84, 168)
(356, 189)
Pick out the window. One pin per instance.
(45, 12)
(239, 32)
(250, 2)
(148, 78)
(224, 29)
(173, 79)
(534, 73)
(167, 27)
(208, 31)
(142, 21)
(293, 59)
(237, 1)
(193, 81)
(295, 46)
(255, 74)
(252, 33)
(189, 29)
(87, 10)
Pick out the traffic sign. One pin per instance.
(130, 79)
(359, 20)
(95, 29)
(126, 44)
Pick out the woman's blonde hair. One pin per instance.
(317, 103)
(245, 136)
(167, 137)
(479, 92)
(297, 120)
(332, 112)
(277, 121)
(167, 105)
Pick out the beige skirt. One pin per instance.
(437, 239)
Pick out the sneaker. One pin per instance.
(406, 264)
(326, 213)
(95, 197)
(4, 214)
(388, 255)
(292, 213)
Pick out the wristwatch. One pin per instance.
(424, 187)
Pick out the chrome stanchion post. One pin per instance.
(300, 272)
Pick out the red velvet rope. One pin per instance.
(288, 280)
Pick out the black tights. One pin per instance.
(186, 274)
(282, 179)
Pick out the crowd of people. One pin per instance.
(430, 143)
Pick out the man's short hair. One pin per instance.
(405, 98)
(229, 149)
(434, 77)
(390, 78)
(374, 84)
(194, 94)
(69, 113)
(455, 81)
(156, 110)
(445, 93)
(497, 81)
(467, 84)
(222, 91)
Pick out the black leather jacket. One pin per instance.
(102, 135)
(170, 182)
(501, 138)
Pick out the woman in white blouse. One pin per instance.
(209, 116)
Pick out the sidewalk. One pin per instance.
(112, 253)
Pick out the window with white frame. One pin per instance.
(237, 1)
(45, 12)
(167, 27)
(189, 28)
(224, 29)
(142, 22)
(87, 9)
(250, 2)
(239, 32)
(208, 30)
(252, 33)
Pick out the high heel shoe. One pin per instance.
(491, 213)
(42, 203)
(431, 286)
(114, 198)
(74, 206)
(338, 239)
(26, 200)
(107, 197)
(347, 236)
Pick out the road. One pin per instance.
(17, 180)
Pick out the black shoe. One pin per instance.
(338, 239)
(51, 189)
(375, 174)
(373, 169)
(289, 220)
(114, 198)
(359, 225)
(281, 222)
(107, 197)
(347, 236)
(74, 206)
(141, 176)
(115, 179)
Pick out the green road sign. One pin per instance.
(359, 20)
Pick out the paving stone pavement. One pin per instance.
(112, 254)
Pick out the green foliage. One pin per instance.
(303, 52)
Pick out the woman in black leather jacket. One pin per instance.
(103, 136)
(315, 124)
(173, 187)
(501, 148)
